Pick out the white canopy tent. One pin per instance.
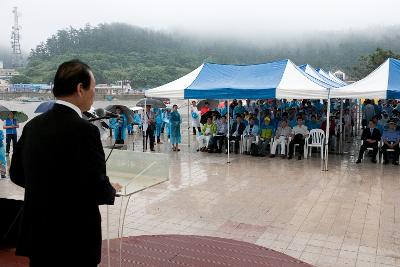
(382, 83)
(174, 89)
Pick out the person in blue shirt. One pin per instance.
(119, 125)
(239, 109)
(137, 120)
(313, 123)
(130, 128)
(3, 161)
(249, 135)
(11, 126)
(378, 123)
(391, 140)
(223, 111)
(159, 122)
(175, 128)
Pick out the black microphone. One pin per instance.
(104, 117)
(101, 112)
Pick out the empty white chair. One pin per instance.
(316, 138)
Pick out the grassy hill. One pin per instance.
(150, 58)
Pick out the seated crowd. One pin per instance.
(259, 127)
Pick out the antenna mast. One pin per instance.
(15, 37)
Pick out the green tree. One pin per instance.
(20, 79)
(369, 63)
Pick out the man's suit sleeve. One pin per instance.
(364, 135)
(104, 191)
(378, 135)
(17, 173)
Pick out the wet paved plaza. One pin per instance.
(348, 216)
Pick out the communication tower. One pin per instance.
(15, 37)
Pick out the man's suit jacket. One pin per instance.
(241, 128)
(366, 134)
(60, 162)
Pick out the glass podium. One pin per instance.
(135, 172)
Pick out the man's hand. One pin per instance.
(117, 186)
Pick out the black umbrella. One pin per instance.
(18, 115)
(212, 103)
(45, 106)
(209, 114)
(124, 109)
(3, 108)
(154, 103)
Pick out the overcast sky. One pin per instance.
(246, 19)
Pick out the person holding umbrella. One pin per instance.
(119, 125)
(149, 126)
(11, 125)
(175, 121)
(204, 109)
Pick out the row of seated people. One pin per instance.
(215, 132)
(389, 140)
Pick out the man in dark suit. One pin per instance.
(236, 131)
(370, 137)
(149, 126)
(60, 162)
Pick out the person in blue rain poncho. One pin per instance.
(2, 155)
(119, 126)
(159, 122)
(175, 121)
(166, 123)
(224, 110)
(130, 128)
(137, 120)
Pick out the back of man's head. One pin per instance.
(69, 74)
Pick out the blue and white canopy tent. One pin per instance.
(382, 83)
(312, 72)
(329, 77)
(174, 89)
(330, 84)
(336, 79)
(279, 79)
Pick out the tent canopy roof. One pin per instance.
(279, 79)
(175, 88)
(383, 83)
(311, 71)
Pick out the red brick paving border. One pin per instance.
(181, 250)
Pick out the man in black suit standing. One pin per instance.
(60, 162)
(236, 131)
(370, 137)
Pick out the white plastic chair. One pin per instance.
(294, 148)
(371, 149)
(278, 148)
(388, 150)
(316, 138)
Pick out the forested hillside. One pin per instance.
(150, 58)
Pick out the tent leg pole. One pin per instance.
(147, 122)
(341, 128)
(229, 132)
(326, 149)
(188, 125)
